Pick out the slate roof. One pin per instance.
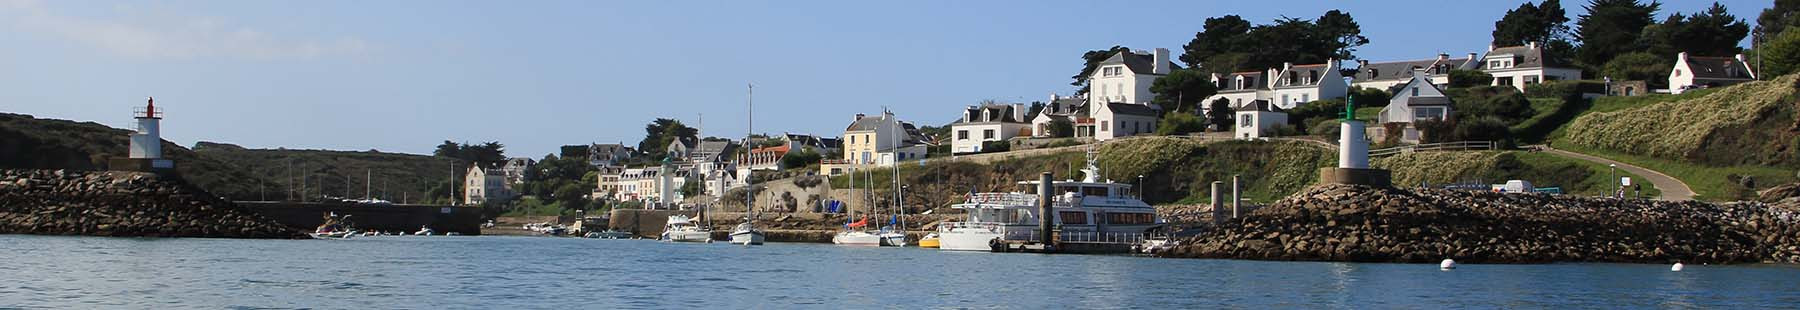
(1138, 63)
(1401, 70)
(1132, 109)
(1259, 105)
(1000, 113)
(1718, 68)
(1525, 57)
(1229, 82)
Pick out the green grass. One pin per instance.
(1599, 183)
(1609, 104)
(1710, 183)
(1575, 177)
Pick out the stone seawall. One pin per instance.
(122, 204)
(1354, 223)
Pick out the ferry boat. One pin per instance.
(682, 229)
(1089, 210)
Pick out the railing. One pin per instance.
(1085, 236)
(1004, 199)
(1445, 146)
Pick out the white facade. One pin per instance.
(1119, 81)
(1256, 124)
(482, 184)
(1286, 88)
(1518, 66)
(1699, 72)
(1114, 120)
(1419, 100)
(980, 124)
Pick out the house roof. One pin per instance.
(1529, 56)
(1138, 63)
(1258, 105)
(1229, 81)
(1428, 101)
(1295, 70)
(1718, 68)
(1065, 106)
(1132, 109)
(1401, 70)
(1000, 113)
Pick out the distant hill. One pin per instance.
(224, 169)
(392, 176)
(34, 143)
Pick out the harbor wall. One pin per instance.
(123, 204)
(386, 218)
(793, 227)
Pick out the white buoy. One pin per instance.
(1676, 267)
(1447, 264)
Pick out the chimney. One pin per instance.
(1531, 45)
(1019, 111)
(859, 117)
(1362, 63)
(1472, 57)
(1161, 58)
(1443, 56)
(1491, 47)
(1681, 57)
(1285, 66)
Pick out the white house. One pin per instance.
(989, 122)
(608, 155)
(1417, 100)
(1119, 97)
(649, 185)
(1699, 72)
(882, 140)
(1286, 87)
(1518, 66)
(482, 184)
(1058, 109)
(1256, 119)
(515, 169)
(1385, 75)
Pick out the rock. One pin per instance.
(66, 202)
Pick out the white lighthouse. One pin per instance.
(146, 142)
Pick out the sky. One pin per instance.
(404, 76)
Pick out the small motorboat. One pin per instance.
(746, 233)
(930, 241)
(452, 234)
(339, 234)
(424, 231)
(682, 229)
(609, 234)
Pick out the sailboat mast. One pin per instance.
(898, 130)
(749, 129)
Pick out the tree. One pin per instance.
(1032, 112)
(1610, 28)
(574, 151)
(1775, 19)
(1230, 44)
(1470, 78)
(800, 159)
(1092, 59)
(1542, 23)
(1219, 114)
(572, 196)
(1651, 68)
(1182, 90)
(995, 146)
(1714, 32)
(659, 133)
(1781, 54)
(489, 153)
(1062, 128)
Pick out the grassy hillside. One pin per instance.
(33, 143)
(1726, 143)
(1174, 169)
(1494, 167)
(391, 176)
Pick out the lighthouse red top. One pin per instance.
(149, 110)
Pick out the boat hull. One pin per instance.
(929, 242)
(893, 239)
(856, 239)
(687, 236)
(968, 239)
(747, 237)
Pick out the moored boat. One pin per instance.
(680, 228)
(1090, 210)
(930, 241)
(747, 233)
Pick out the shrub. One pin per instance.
(1470, 78)
(1639, 66)
(995, 146)
(1062, 143)
(1485, 128)
(1504, 103)
(1564, 89)
(800, 159)
(1179, 124)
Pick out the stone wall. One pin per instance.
(1356, 223)
(122, 204)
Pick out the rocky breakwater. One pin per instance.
(1364, 224)
(122, 204)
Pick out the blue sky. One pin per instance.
(405, 75)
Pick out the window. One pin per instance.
(1677, 72)
(962, 134)
(987, 134)
(1531, 79)
(1284, 98)
(1374, 72)
(1072, 218)
(1428, 113)
(1104, 125)
(1506, 81)
(1244, 121)
(1130, 218)
(1305, 97)
(1312, 77)
(1415, 91)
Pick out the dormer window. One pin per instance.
(1374, 72)
(1312, 77)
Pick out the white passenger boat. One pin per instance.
(1089, 210)
(682, 229)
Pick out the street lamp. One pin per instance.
(1614, 170)
(1140, 186)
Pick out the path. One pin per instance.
(1672, 189)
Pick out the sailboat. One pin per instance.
(894, 234)
(853, 233)
(746, 233)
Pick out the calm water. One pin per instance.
(526, 272)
